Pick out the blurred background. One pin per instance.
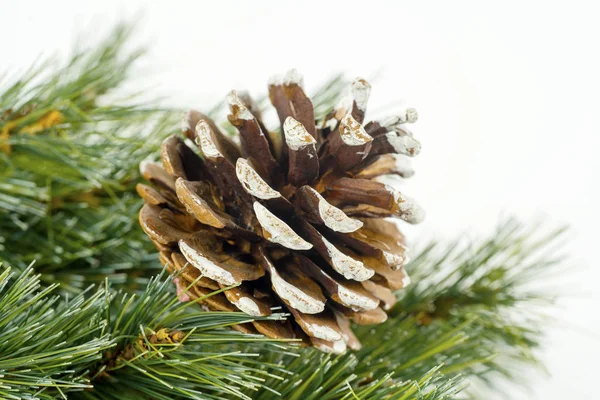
(507, 96)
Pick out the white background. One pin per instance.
(508, 97)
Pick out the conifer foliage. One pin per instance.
(87, 311)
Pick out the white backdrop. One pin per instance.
(507, 98)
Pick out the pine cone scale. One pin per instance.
(303, 160)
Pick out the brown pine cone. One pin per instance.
(295, 220)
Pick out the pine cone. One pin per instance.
(295, 220)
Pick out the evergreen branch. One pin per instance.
(48, 344)
(68, 168)
(496, 289)
(316, 376)
(152, 344)
(75, 89)
(106, 344)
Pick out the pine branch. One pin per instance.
(106, 344)
(314, 375)
(497, 289)
(68, 168)
(477, 304)
(48, 345)
(74, 89)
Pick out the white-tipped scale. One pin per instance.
(146, 164)
(334, 218)
(395, 261)
(206, 266)
(352, 132)
(187, 121)
(323, 331)
(204, 140)
(344, 104)
(406, 280)
(355, 300)
(406, 145)
(275, 80)
(403, 165)
(384, 294)
(296, 136)
(252, 182)
(277, 231)
(237, 106)
(293, 77)
(410, 211)
(294, 295)
(337, 347)
(410, 116)
(361, 91)
(247, 305)
(347, 334)
(346, 265)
